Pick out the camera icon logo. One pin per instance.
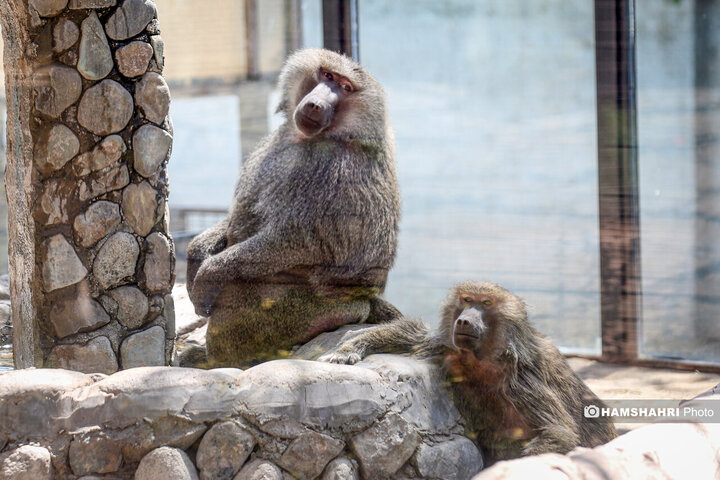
(591, 411)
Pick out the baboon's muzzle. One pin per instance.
(468, 328)
(315, 111)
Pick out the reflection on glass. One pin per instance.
(493, 105)
(679, 137)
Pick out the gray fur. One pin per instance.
(328, 203)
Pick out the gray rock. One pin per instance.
(259, 469)
(307, 455)
(151, 147)
(5, 325)
(130, 19)
(61, 265)
(140, 207)
(116, 260)
(166, 463)
(94, 454)
(144, 349)
(133, 58)
(177, 432)
(51, 207)
(80, 4)
(95, 60)
(96, 356)
(158, 269)
(385, 447)
(96, 222)
(106, 153)
(105, 108)
(48, 8)
(55, 147)
(103, 181)
(316, 394)
(223, 450)
(456, 459)
(341, 469)
(132, 306)
(65, 34)
(152, 95)
(26, 463)
(169, 314)
(159, 48)
(80, 313)
(56, 88)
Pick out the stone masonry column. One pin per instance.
(91, 259)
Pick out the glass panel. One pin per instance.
(678, 125)
(493, 105)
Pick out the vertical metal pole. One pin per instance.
(619, 208)
(340, 27)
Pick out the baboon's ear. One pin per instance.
(511, 352)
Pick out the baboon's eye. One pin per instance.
(328, 75)
(487, 302)
(467, 299)
(347, 87)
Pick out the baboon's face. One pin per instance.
(316, 111)
(477, 316)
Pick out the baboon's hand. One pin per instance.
(347, 357)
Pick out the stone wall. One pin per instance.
(91, 260)
(385, 418)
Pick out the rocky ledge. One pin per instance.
(386, 418)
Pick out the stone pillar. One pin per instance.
(91, 260)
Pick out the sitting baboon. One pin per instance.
(312, 229)
(517, 393)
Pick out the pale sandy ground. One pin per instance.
(610, 381)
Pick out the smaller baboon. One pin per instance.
(516, 391)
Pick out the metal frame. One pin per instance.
(340, 27)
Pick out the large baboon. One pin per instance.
(312, 229)
(515, 390)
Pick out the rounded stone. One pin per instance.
(259, 469)
(140, 207)
(61, 265)
(158, 267)
(341, 469)
(133, 58)
(96, 356)
(116, 260)
(130, 19)
(51, 207)
(106, 153)
(94, 455)
(133, 306)
(65, 34)
(55, 147)
(456, 458)
(103, 181)
(48, 8)
(223, 450)
(151, 148)
(166, 463)
(95, 60)
(152, 95)
(159, 49)
(78, 313)
(26, 463)
(96, 222)
(56, 88)
(105, 108)
(144, 349)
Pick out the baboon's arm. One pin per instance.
(208, 243)
(400, 336)
(258, 256)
